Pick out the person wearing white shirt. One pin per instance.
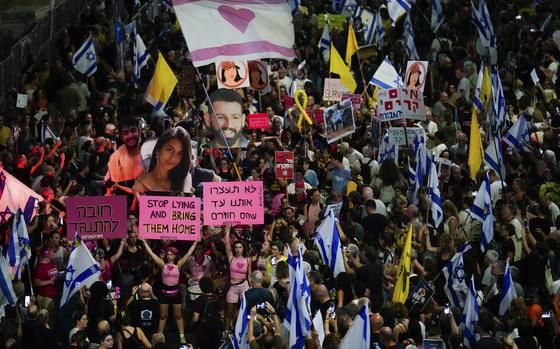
(430, 127)
(464, 87)
(283, 79)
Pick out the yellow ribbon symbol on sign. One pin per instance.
(301, 107)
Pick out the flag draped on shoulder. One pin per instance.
(433, 189)
(517, 136)
(437, 15)
(470, 317)
(325, 42)
(162, 84)
(140, 57)
(240, 340)
(85, 59)
(82, 270)
(400, 293)
(493, 158)
(358, 335)
(481, 210)
(454, 271)
(397, 8)
(329, 245)
(408, 38)
(481, 20)
(241, 30)
(386, 76)
(388, 149)
(508, 291)
(338, 66)
(15, 195)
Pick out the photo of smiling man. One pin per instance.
(229, 118)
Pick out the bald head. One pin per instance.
(376, 322)
(321, 293)
(367, 193)
(103, 326)
(145, 290)
(32, 311)
(386, 336)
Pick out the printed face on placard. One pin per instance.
(232, 74)
(416, 75)
(258, 75)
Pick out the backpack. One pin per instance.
(365, 171)
(211, 319)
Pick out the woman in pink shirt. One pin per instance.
(170, 288)
(105, 264)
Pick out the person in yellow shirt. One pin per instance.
(277, 249)
(5, 132)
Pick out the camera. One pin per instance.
(446, 310)
(261, 306)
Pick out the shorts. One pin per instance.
(235, 292)
(171, 299)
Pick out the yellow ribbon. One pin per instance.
(301, 107)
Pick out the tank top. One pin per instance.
(131, 342)
(238, 268)
(170, 275)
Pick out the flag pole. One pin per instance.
(30, 280)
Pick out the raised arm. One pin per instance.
(189, 253)
(39, 161)
(228, 243)
(118, 255)
(154, 256)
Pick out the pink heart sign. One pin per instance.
(239, 18)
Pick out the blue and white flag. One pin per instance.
(388, 149)
(82, 270)
(367, 18)
(481, 210)
(498, 102)
(7, 294)
(240, 339)
(408, 38)
(470, 317)
(397, 8)
(119, 31)
(476, 100)
(46, 132)
(297, 317)
(294, 5)
(508, 292)
(13, 248)
(433, 190)
(325, 42)
(378, 30)
(493, 158)
(19, 252)
(328, 244)
(386, 76)
(140, 57)
(481, 19)
(85, 59)
(359, 333)
(454, 271)
(422, 168)
(518, 136)
(411, 174)
(437, 15)
(344, 7)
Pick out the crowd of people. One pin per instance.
(104, 139)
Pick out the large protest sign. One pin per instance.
(333, 90)
(406, 135)
(169, 218)
(257, 121)
(355, 97)
(97, 217)
(339, 121)
(335, 208)
(399, 103)
(416, 73)
(231, 203)
(420, 296)
(232, 74)
(284, 164)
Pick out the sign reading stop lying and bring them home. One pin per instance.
(232, 203)
(169, 218)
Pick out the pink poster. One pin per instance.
(97, 217)
(169, 218)
(232, 203)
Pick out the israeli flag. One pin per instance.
(82, 270)
(493, 158)
(433, 190)
(297, 318)
(140, 57)
(518, 136)
(13, 247)
(386, 76)
(294, 5)
(378, 30)
(477, 101)
(85, 59)
(7, 294)
(481, 20)
(359, 333)
(470, 317)
(345, 7)
(422, 167)
(388, 149)
(46, 132)
(325, 42)
(408, 38)
(498, 102)
(454, 272)
(367, 18)
(397, 8)
(328, 244)
(240, 340)
(481, 210)
(411, 174)
(508, 292)
(19, 251)
(437, 15)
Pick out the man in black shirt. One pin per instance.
(144, 309)
(31, 329)
(374, 224)
(486, 331)
(388, 339)
(257, 294)
(370, 272)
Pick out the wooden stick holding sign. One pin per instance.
(301, 106)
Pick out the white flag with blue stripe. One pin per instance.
(470, 317)
(13, 248)
(85, 59)
(398, 8)
(7, 294)
(476, 100)
(454, 272)
(378, 30)
(508, 291)
(82, 270)
(345, 7)
(386, 76)
(481, 210)
(325, 42)
(408, 38)
(294, 5)
(329, 245)
(437, 15)
(493, 158)
(518, 136)
(140, 57)
(367, 18)
(297, 316)
(21, 247)
(433, 190)
(498, 102)
(240, 339)
(359, 333)
(481, 20)
(388, 149)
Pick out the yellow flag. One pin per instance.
(351, 45)
(400, 293)
(162, 84)
(337, 66)
(485, 91)
(475, 146)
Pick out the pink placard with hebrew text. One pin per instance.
(232, 203)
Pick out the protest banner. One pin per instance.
(232, 74)
(398, 103)
(258, 75)
(169, 218)
(335, 208)
(339, 121)
(319, 116)
(284, 168)
(419, 297)
(400, 134)
(288, 102)
(97, 217)
(21, 101)
(232, 203)
(355, 97)
(258, 121)
(416, 73)
(333, 90)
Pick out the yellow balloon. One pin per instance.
(301, 107)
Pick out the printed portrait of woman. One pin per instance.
(258, 78)
(232, 74)
(416, 76)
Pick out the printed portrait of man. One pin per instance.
(226, 116)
